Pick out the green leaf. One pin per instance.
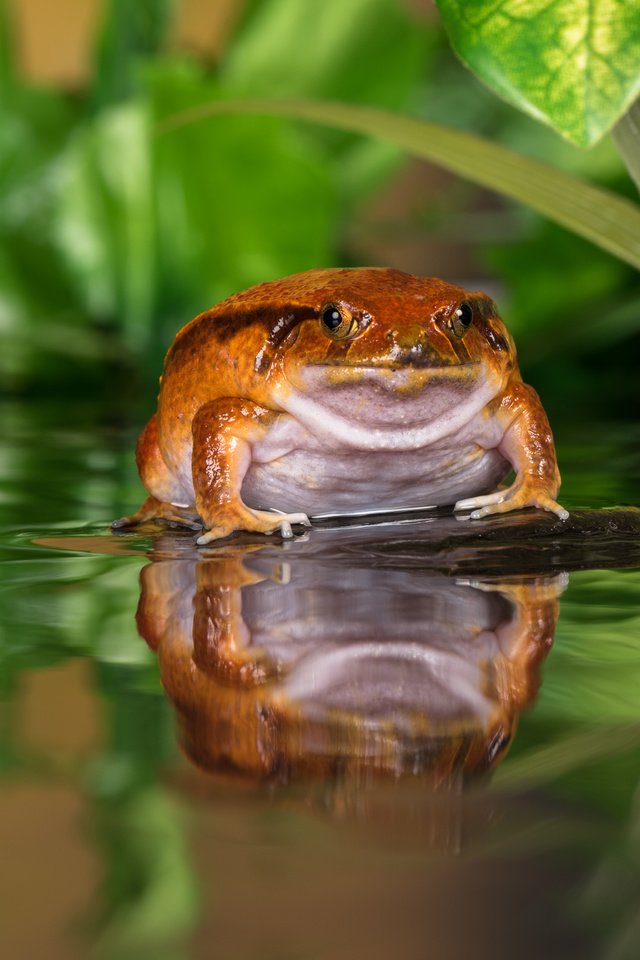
(571, 63)
(592, 287)
(224, 193)
(329, 50)
(104, 222)
(34, 127)
(132, 32)
(600, 216)
(626, 136)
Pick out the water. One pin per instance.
(358, 744)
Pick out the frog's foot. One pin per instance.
(512, 498)
(153, 509)
(255, 521)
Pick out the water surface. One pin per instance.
(343, 746)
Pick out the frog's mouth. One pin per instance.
(381, 407)
(435, 364)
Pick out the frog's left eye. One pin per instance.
(337, 322)
(462, 319)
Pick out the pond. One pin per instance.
(377, 740)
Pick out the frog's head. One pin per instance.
(379, 346)
(389, 320)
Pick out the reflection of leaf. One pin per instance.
(589, 692)
(613, 891)
(571, 64)
(55, 608)
(149, 893)
(568, 753)
(593, 673)
(604, 218)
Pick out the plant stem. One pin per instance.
(600, 216)
(626, 136)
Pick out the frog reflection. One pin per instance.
(303, 667)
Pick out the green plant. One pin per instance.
(573, 66)
(110, 237)
(120, 218)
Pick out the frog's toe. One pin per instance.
(153, 509)
(489, 509)
(287, 519)
(148, 511)
(546, 503)
(255, 521)
(505, 501)
(473, 503)
(284, 522)
(299, 519)
(122, 522)
(286, 530)
(215, 533)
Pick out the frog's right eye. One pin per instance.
(337, 322)
(462, 318)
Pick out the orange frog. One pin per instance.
(342, 391)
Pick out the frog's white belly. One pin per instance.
(376, 442)
(292, 470)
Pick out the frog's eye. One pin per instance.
(462, 319)
(337, 322)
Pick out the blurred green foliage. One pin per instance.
(601, 216)
(112, 236)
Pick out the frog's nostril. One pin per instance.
(412, 338)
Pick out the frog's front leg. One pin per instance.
(527, 444)
(223, 432)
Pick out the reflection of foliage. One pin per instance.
(61, 606)
(583, 745)
(148, 899)
(591, 676)
(597, 651)
(613, 890)
(65, 618)
(55, 608)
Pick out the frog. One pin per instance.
(343, 391)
